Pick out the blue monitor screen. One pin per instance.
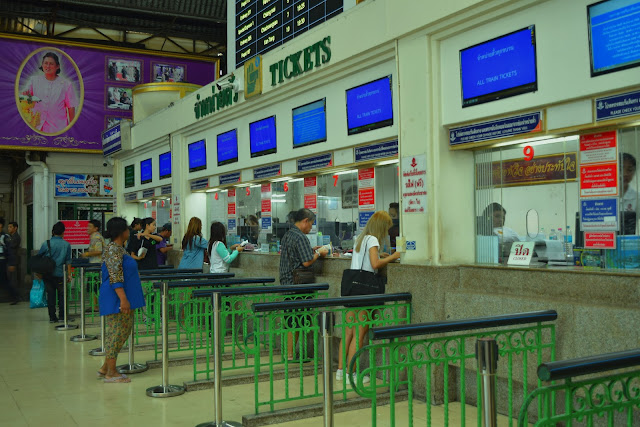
(165, 165)
(310, 124)
(370, 106)
(499, 68)
(262, 136)
(614, 33)
(197, 156)
(228, 147)
(146, 171)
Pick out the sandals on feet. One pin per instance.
(121, 379)
(101, 375)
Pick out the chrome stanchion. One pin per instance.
(132, 367)
(487, 355)
(66, 326)
(217, 363)
(165, 389)
(327, 373)
(82, 337)
(100, 350)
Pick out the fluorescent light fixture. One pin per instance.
(388, 162)
(256, 185)
(283, 178)
(212, 190)
(346, 172)
(278, 201)
(296, 180)
(279, 195)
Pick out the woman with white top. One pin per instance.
(219, 255)
(366, 256)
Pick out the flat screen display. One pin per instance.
(129, 176)
(228, 147)
(197, 156)
(262, 137)
(165, 165)
(370, 106)
(499, 68)
(146, 171)
(310, 123)
(614, 35)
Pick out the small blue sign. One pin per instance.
(199, 184)
(613, 107)
(381, 150)
(363, 218)
(315, 162)
(230, 178)
(496, 129)
(130, 197)
(150, 192)
(268, 171)
(266, 223)
(111, 140)
(231, 224)
(599, 214)
(165, 190)
(411, 245)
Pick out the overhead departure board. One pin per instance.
(262, 25)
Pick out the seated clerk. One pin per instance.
(629, 201)
(394, 231)
(496, 214)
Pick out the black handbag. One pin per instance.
(303, 276)
(362, 282)
(43, 264)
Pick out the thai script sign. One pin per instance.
(541, 170)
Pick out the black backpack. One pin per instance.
(43, 264)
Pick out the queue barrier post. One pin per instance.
(487, 355)
(327, 372)
(66, 326)
(82, 337)
(100, 350)
(217, 373)
(165, 389)
(132, 367)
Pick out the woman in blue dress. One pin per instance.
(120, 294)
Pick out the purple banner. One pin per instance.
(61, 96)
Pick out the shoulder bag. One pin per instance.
(362, 282)
(43, 264)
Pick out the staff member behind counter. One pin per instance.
(495, 214)
(629, 202)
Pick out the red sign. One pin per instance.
(231, 209)
(600, 240)
(599, 180)
(266, 188)
(76, 232)
(368, 173)
(310, 181)
(598, 147)
(266, 206)
(231, 192)
(366, 197)
(310, 201)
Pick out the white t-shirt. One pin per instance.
(506, 235)
(357, 261)
(629, 201)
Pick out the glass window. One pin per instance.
(531, 192)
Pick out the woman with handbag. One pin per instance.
(363, 279)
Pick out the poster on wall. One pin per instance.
(366, 189)
(76, 232)
(81, 185)
(414, 184)
(60, 95)
(598, 148)
(232, 222)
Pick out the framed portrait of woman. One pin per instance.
(49, 91)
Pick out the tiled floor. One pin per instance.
(47, 380)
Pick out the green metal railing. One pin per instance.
(612, 399)
(301, 370)
(445, 360)
(238, 326)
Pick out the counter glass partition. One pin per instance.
(532, 192)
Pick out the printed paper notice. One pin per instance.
(599, 180)
(598, 148)
(414, 184)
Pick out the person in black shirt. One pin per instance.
(147, 239)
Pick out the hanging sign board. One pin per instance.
(381, 150)
(616, 106)
(269, 171)
(315, 162)
(230, 178)
(414, 184)
(496, 129)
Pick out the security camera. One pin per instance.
(105, 164)
(226, 84)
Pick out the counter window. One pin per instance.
(561, 198)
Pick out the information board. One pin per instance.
(262, 25)
(76, 232)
